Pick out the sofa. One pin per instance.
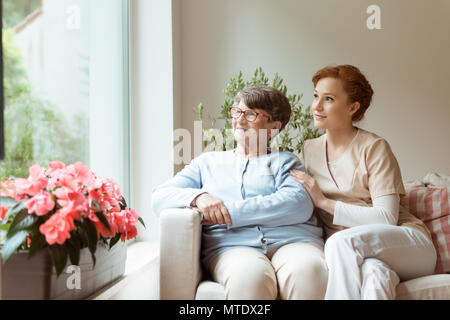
(182, 277)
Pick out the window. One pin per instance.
(66, 86)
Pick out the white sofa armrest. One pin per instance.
(180, 240)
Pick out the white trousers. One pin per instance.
(368, 261)
(294, 271)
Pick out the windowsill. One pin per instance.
(141, 278)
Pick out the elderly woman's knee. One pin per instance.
(253, 273)
(304, 279)
(255, 281)
(315, 269)
(252, 277)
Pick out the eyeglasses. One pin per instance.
(249, 115)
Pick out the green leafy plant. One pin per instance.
(291, 138)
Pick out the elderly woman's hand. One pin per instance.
(314, 191)
(213, 209)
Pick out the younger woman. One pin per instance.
(355, 183)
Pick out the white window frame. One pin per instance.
(109, 128)
(152, 105)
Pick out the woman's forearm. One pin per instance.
(285, 207)
(327, 205)
(385, 210)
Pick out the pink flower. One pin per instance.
(101, 228)
(3, 211)
(107, 193)
(41, 204)
(112, 189)
(119, 221)
(72, 203)
(81, 173)
(24, 186)
(61, 178)
(132, 216)
(55, 165)
(68, 180)
(125, 221)
(8, 189)
(34, 183)
(130, 234)
(74, 176)
(56, 229)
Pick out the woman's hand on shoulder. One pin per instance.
(314, 191)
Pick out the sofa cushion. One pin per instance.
(210, 290)
(434, 287)
(431, 205)
(436, 180)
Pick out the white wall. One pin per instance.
(407, 61)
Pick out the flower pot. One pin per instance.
(36, 279)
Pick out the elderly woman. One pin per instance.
(259, 234)
(355, 182)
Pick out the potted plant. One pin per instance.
(59, 214)
(297, 131)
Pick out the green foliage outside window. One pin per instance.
(34, 130)
(17, 10)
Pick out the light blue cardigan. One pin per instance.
(267, 207)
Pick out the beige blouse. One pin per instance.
(367, 169)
